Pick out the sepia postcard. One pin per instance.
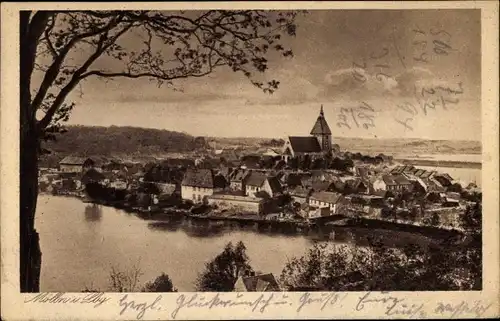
(249, 160)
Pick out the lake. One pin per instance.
(81, 242)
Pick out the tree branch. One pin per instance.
(53, 71)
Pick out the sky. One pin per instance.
(362, 65)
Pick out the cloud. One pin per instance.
(358, 83)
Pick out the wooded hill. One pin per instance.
(114, 140)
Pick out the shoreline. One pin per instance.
(326, 225)
(439, 163)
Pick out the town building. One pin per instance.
(259, 182)
(326, 199)
(393, 183)
(300, 194)
(237, 203)
(237, 179)
(318, 144)
(197, 185)
(71, 164)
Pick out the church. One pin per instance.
(317, 144)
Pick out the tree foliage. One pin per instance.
(379, 268)
(173, 46)
(221, 273)
(162, 283)
(61, 49)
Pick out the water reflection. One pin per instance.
(200, 228)
(93, 212)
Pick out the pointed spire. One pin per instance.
(321, 126)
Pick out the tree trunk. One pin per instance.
(30, 253)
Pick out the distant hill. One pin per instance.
(408, 146)
(395, 146)
(114, 140)
(143, 143)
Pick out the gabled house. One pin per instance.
(197, 185)
(71, 164)
(326, 199)
(254, 183)
(259, 182)
(356, 186)
(256, 283)
(393, 183)
(300, 194)
(237, 179)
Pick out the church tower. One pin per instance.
(322, 132)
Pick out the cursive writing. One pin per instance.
(96, 299)
(323, 299)
(361, 116)
(477, 309)
(139, 307)
(209, 302)
(427, 98)
(438, 40)
(395, 307)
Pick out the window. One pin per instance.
(194, 197)
(199, 198)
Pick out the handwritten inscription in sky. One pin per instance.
(421, 97)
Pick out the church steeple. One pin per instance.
(321, 126)
(322, 132)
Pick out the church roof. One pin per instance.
(304, 144)
(321, 126)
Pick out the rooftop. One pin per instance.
(198, 178)
(304, 144)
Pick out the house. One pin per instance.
(300, 194)
(318, 144)
(237, 179)
(256, 283)
(166, 188)
(393, 183)
(326, 199)
(71, 164)
(258, 182)
(238, 203)
(197, 185)
(319, 186)
(356, 186)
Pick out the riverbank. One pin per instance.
(323, 226)
(439, 163)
